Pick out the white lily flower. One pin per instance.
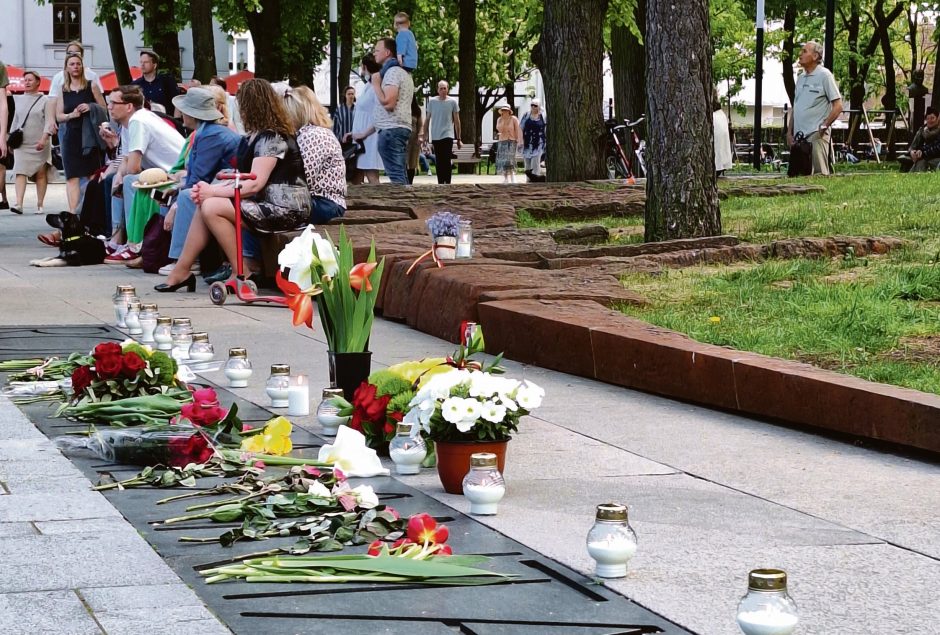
(351, 455)
(326, 254)
(366, 496)
(297, 255)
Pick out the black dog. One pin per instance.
(77, 248)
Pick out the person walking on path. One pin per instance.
(77, 96)
(394, 90)
(405, 43)
(533, 141)
(369, 163)
(442, 128)
(510, 136)
(157, 88)
(817, 103)
(33, 157)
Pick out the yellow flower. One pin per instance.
(274, 439)
(424, 368)
(715, 319)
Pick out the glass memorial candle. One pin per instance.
(611, 541)
(483, 485)
(767, 608)
(237, 368)
(277, 385)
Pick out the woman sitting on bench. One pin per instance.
(277, 200)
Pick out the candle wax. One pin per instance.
(767, 622)
(483, 498)
(201, 357)
(237, 377)
(612, 556)
(408, 460)
(278, 397)
(298, 401)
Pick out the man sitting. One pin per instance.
(925, 148)
(151, 143)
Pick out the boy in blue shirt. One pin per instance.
(405, 43)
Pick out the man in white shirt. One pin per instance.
(817, 103)
(150, 142)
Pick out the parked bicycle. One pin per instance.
(618, 136)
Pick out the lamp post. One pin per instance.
(333, 69)
(758, 81)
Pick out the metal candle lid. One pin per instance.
(329, 393)
(611, 511)
(404, 428)
(147, 306)
(767, 580)
(129, 291)
(121, 288)
(238, 352)
(200, 337)
(482, 459)
(182, 322)
(164, 321)
(280, 369)
(133, 306)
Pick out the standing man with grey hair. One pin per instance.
(817, 103)
(442, 128)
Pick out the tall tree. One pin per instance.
(204, 62)
(345, 45)
(468, 73)
(628, 59)
(570, 56)
(681, 191)
(161, 32)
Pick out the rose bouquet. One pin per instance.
(176, 448)
(472, 405)
(312, 267)
(114, 371)
(378, 404)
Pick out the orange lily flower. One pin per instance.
(359, 275)
(299, 302)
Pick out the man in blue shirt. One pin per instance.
(405, 43)
(157, 89)
(211, 149)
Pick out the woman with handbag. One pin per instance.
(77, 95)
(32, 152)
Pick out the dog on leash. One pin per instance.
(78, 247)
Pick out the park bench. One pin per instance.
(467, 155)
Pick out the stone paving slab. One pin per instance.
(60, 612)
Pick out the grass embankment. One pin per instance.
(877, 317)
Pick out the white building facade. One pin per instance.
(34, 37)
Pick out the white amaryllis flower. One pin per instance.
(366, 496)
(492, 411)
(351, 455)
(325, 253)
(529, 395)
(297, 256)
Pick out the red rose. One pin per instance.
(132, 364)
(108, 367)
(190, 449)
(81, 379)
(388, 429)
(107, 349)
(205, 396)
(203, 414)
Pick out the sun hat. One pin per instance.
(536, 102)
(151, 178)
(502, 107)
(198, 103)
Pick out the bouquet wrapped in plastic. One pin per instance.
(134, 446)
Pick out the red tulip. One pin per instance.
(299, 302)
(423, 529)
(375, 548)
(359, 275)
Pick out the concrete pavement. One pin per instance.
(711, 495)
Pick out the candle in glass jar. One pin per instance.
(298, 397)
(483, 498)
(161, 334)
(767, 622)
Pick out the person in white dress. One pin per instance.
(369, 163)
(34, 156)
(723, 157)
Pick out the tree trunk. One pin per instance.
(269, 63)
(118, 52)
(788, 58)
(570, 57)
(628, 67)
(345, 46)
(511, 75)
(681, 189)
(467, 76)
(160, 33)
(203, 40)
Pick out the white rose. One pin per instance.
(326, 254)
(318, 489)
(366, 496)
(297, 255)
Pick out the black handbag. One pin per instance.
(801, 157)
(352, 149)
(15, 138)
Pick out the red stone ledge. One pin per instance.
(584, 338)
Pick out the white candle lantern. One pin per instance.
(201, 350)
(237, 368)
(611, 541)
(407, 450)
(767, 608)
(148, 322)
(483, 485)
(298, 396)
(162, 333)
(277, 385)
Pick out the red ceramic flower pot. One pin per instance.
(453, 460)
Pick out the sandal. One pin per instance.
(53, 239)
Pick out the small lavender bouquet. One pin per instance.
(443, 224)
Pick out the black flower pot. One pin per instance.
(348, 370)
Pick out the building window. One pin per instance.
(66, 20)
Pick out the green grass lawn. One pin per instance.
(877, 317)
